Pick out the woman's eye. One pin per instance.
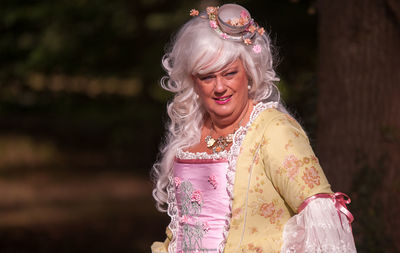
(231, 73)
(205, 78)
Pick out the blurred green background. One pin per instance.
(82, 114)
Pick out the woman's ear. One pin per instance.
(249, 83)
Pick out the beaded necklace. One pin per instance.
(219, 144)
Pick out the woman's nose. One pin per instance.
(219, 85)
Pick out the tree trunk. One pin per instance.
(359, 110)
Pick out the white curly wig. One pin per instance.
(198, 49)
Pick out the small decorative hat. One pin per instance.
(232, 22)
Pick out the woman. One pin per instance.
(237, 173)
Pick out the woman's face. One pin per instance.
(224, 93)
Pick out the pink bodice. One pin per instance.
(203, 203)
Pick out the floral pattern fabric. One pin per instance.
(275, 172)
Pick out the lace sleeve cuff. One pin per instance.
(319, 227)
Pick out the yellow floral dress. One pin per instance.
(273, 170)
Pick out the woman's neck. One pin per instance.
(226, 126)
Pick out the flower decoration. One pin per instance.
(194, 12)
(292, 166)
(247, 41)
(257, 49)
(213, 24)
(267, 209)
(242, 27)
(177, 181)
(184, 219)
(239, 21)
(213, 181)
(252, 28)
(206, 226)
(196, 197)
(311, 177)
(212, 10)
(244, 14)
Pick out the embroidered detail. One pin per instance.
(206, 226)
(197, 197)
(292, 165)
(213, 181)
(192, 237)
(192, 200)
(311, 177)
(268, 209)
(184, 219)
(192, 229)
(177, 181)
(253, 248)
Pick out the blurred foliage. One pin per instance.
(89, 69)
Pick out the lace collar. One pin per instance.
(259, 107)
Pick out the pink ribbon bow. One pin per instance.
(340, 201)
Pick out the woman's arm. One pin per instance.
(290, 164)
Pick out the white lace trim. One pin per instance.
(201, 155)
(231, 156)
(318, 228)
(173, 213)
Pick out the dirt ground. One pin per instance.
(106, 212)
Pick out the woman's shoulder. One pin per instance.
(272, 114)
(278, 123)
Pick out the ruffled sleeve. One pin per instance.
(319, 227)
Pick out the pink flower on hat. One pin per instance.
(224, 36)
(243, 14)
(252, 28)
(257, 49)
(213, 24)
(194, 12)
(211, 10)
(247, 41)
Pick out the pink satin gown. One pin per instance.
(203, 203)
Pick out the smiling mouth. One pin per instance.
(223, 100)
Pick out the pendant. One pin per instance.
(210, 141)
